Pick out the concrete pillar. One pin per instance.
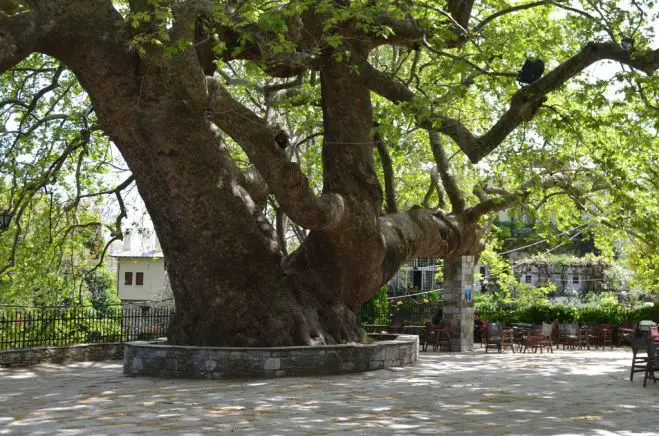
(458, 301)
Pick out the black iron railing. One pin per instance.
(54, 326)
(417, 314)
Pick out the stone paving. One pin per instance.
(567, 392)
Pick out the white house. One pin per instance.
(141, 272)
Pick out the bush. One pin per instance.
(375, 310)
(602, 311)
(101, 289)
(643, 313)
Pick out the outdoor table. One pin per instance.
(442, 332)
(585, 334)
(623, 332)
(520, 332)
(522, 325)
(414, 329)
(508, 338)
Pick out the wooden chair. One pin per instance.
(539, 339)
(568, 335)
(493, 337)
(639, 342)
(639, 361)
(438, 335)
(443, 336)
(606, 335)
(428, 336)
(586, 337)
(554, 333)
(509, 339)
(479, 332)
(652, 363)
(626, 332)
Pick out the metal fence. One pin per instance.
(53, 326)
(373, 318)
(417, 314)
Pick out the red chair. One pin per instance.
(654, 334)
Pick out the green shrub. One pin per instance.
(602, 310)
(375, 310)
(643, 313)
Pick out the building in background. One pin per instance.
(573, 266)
(141, 271)
(419, 275)
(573, 276)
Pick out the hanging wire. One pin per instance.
(540, 241)
(412, 295)
(527, 261)
(513, 265)
(325, 141)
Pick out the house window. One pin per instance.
(483, 271)
(417, 278)
(528, 278)
(575, 280)
(139, 279)
(428, 280)
(128, 279)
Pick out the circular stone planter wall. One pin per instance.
(156, 359)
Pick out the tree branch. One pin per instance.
(524, 103)
(504, 199)
(287, 182)
(282, 225)
(404, 32)
(460, 10)
(510, 10)
(444, 169)
(434, 186)
(496, 204)
(123, 185)
(19, 37)
(248, 41)
(467, 62)
(388, 171)
(428, 233)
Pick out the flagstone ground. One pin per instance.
(567, 392)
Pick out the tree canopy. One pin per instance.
(293, 154)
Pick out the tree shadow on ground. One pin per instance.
(472, 393)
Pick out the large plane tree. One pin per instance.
(293, 154)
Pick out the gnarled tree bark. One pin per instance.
(232, 282)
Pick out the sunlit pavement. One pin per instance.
(567, 392)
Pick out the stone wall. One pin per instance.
(73, 353)
(158, 360)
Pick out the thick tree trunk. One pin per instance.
(231, 282)
(229, 290)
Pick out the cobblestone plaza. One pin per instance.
(567, 392)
